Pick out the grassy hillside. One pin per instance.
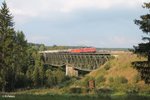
(117, 75)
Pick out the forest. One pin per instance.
(21, 66)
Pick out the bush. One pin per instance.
(100, 79)
(104, 91)
(21, 81)
(54, 78)
(59, 75)
(107, 66)
(136, 78)
(133, 90)
(75, 90)
(120, 79)
(111, 79)
(78, 90)
(86, 81)
(67, 82)
(50, 79)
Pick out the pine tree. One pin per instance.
(144, 23)
(6, 44)
(144, 48)
(12, 50)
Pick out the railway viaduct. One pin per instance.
(75, 62)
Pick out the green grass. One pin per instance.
(78, 97)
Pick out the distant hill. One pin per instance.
(114, 49)
(73, 47)
(57, 47)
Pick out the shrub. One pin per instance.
(100, 79)
(120, 79)
(67, 82)
(107, 66)
(78, 90)
(86, 81)
(111, 79)
(104, 91)
(21, 81)
(59, 75)
(50, 78)
(75, 90)
(54, 78)
(136, 78)
(133, 90)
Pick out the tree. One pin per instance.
(21, 65)
(36, 76)
(38, 73)
(6, 44)
(50, 81)
(144, 48)
(42, 47)
(60, 76)
(144, 24)
(12, 51)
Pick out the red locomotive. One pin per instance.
(83, 50)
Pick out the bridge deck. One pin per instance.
(81, 61)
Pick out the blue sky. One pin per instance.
(98, 23)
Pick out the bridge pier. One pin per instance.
(70, 71)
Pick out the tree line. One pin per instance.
(21, 66)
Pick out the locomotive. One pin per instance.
(83, 50)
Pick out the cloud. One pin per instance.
(26, 10)
(37, 38)
(78, 22)
(122, 41)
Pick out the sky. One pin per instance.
(97, 23)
